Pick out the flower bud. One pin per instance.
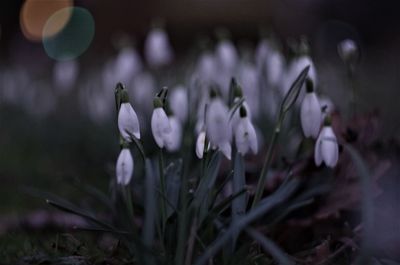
(128, 123)
(174, 137)
(160, 125)
(158, 50)
(245, 134)
(310, 113)
(178, 102)
(217, 125)
(124, 167)
(348, 51)
(326, 147)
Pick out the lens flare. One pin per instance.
(35, 13)
(74, 38)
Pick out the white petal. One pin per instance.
(124, 167)
(240, 137)
(128, 123)
(310, 115)
(317, 151)
(329, 147)
(226, 149)
(201, 138)
(217, 122)
(179, 103)
(174, 138)
(160, 126)
(253, 142)
(158, 51)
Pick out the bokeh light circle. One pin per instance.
(35, 13)
(74, 39)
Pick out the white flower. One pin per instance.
(200, 142)
(178, 102)
(275, 66)
(65, 74)
(226, 55)
(127, 65)
(158, 50)
(128, 123)
(160, 126)
(347, 49)
(326, 148)
(296, 66)
(310, 115)
(249, 78)
(174, 137)
(217, 126)
(124, 168)
(245, 136)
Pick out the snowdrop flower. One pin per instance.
(310, 112)
(326, 147)
(200, 142)
(158, 50)
(275, 66)
(124, 168)
(174, 137)
(296, 66)
(178, 102)
(160, 125)
(127, 64)
(245, 134)
(65, 74)
(206, 67)
(128, 123)
(248, 77)
(226, 55)
(347, 50)
(217, 126)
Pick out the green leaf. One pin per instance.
(263, 207)
(294, 91)
(173, 178)
(80, 212)
(239, 183)
(208, 180)
(150, 205)
(270, 247)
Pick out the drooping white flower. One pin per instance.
(127, 64)
(310, 113)
(124, 167)
(200, 142)
(65, 74)
(174, 137)
(296, 66)
(275, 66)
(347, 50)
(160, 126)
(226, 55)
(249, 78)
(158, 50)
(217, 126)
(128, 123)
(178, 102)
(326, 147)
(245, 134)
(206, 66)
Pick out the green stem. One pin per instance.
(267, 163)
(162, 188)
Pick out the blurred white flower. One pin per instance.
(200, 142)
(174, 137)
(127, 65)
(310, 113)
(245, 135)
(217, 126)
(65, 74)
(226, 55)
(124, 168)
(275, 66)
(160, 126)
(326, 148)
(128, 123)
(158, 50)
(296, 66)
(142, 92)
(178, 102)
(206, 67)
(347, 50)
(248, 78)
